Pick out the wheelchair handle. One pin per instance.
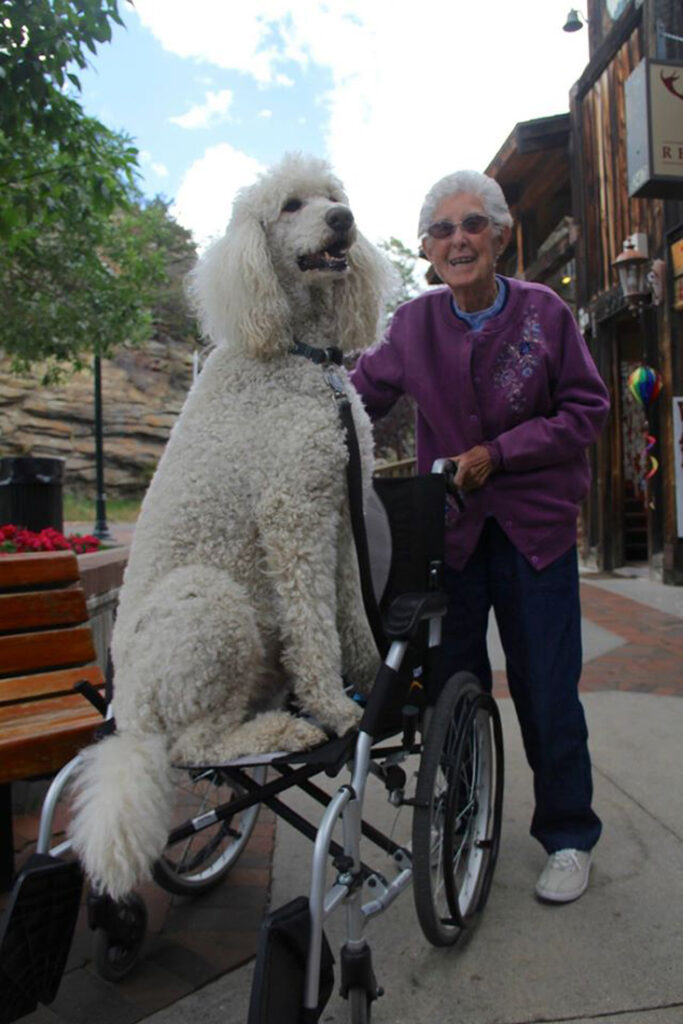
(448, 469)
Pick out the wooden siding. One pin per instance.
(608, 215)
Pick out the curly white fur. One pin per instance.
(242, 583)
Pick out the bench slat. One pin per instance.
(42, 567)
(37, 717)
(35, 608)
(39, 746)
(25, 652)
(48, 684)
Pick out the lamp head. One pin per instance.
(573, 22)
(631, 266)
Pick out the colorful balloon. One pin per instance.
(645, 384)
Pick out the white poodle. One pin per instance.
(242, 585)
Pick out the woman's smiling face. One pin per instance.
(466, 262)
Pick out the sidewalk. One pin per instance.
(614, 956)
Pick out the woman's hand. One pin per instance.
(474, 468)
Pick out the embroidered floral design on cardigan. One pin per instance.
(518, 361)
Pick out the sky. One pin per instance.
(392, 94)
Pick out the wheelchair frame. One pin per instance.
(457, 812)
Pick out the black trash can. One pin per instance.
(31, 491)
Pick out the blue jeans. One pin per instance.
(539, 621)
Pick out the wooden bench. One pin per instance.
(46, 647)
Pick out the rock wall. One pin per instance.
(143, 390)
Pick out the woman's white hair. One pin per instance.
(488, 190)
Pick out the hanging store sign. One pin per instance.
(654, 129)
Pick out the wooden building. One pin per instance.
(631, 519)
(532, 168)
(575, 202)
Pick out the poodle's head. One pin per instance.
(291, 234)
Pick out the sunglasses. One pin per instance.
(473, 224)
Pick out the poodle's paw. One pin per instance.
(340, 716)
(301, 734)
(267, 732)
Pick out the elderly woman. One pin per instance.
(505, 385)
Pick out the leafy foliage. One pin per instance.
(39, 40)
(395, 432)
(53, 159)
(92, 286)
(169, 304)
(80, 255)
(405, 263)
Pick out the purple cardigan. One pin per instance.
(524, 384)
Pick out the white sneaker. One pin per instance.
(565, 876)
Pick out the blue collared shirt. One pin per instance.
(476, 320)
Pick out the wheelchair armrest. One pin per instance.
(406, 612)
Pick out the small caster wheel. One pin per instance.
(360, 1011)
(119, 941)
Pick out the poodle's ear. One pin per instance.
(237, 295)
(363, 295)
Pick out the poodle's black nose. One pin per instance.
(339, 218)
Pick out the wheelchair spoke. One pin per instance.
(200, 861)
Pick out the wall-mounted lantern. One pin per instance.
(640, 278)
(632, 265)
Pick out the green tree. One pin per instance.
(111, 280)
(170, 308)
(405, 264)
(74, 276)
(395, 433)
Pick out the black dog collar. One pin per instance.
(318, 355)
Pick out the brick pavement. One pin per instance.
(191, 942)
(649, 661)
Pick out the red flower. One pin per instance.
(15, 539)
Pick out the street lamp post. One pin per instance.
(100, 530)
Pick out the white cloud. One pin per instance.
(213, 111)
(265, 113)
(204, 200)
(229, 35)
(146, 160)
(415, 92)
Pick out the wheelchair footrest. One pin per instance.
(277, 991)
(36, 931)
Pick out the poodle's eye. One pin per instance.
(292, 205)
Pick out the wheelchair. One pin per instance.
(451, 730)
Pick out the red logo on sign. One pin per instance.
(668, 81)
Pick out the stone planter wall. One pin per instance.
(102, 576)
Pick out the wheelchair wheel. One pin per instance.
(198, 863)
(117, 945)
(360, 1006)
(457, 819)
